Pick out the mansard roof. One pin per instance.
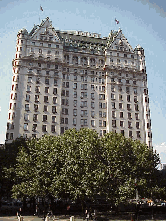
(92, 41)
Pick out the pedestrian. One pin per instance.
(68, 210)
(95, 214)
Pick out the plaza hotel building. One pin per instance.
(76, 79)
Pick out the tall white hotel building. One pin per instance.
(75, 79)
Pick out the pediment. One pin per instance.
(119, 42)
(44, 31)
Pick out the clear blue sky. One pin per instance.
(142, 22)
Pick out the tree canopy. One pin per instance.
(80, 164)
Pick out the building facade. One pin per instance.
(75, 79)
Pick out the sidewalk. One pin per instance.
(63, 218)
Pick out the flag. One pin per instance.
(41, 8)
(116, 21)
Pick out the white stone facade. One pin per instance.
(76, 79)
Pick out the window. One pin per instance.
(120, 97)
(38, 80)
(66, 120)
(128, 107)
(29, 79)
(134, 82)
(121, 114)
(93, 123)
(75, 103)
(100, 123)
(67, 93)
(25, 126)
(138, 134)
(114, 123)
(35, 107)
(104, 123)
(136, 107)
(148, 125)
(75, 112)
(92, 96)
(28, 88)
(54, 100)
(75, 77)
(47, 72)
(135, 90)
(83, 86)
(119, 80)
(27, 107)
(54, 91)
(75, 121)
(113, 105)
(11, 136)
(120, 105)
(62, 130)
(84, 113)
(45, 108)
(35, 117)
(92, 79)
(75, 86)
(44, 118)
(129, 124)
(137, 125)
(47, 90)
(113, 114)
(122, 132)
(92, 114)
(83, 94)
(135, 99)
(55, 82)
(119, 88)
(127, 90)
(101, 96)
(26, 117)
(53, 128)
(54, 109)
(112, 88)
(84, 122)
(37, 89)
(53, 119)
(150, 134)
(46, 80)
(130, 133)
(46, 99)
(65, 111)
(44, 128)
(36, 98)
(121, 123)
(128, 98)
(129, 116)
(34, 127)
(137, 116)
(92, 104)
(27, 97)
(100, 113)
(83, 103)
(75, 94)
(92, 87)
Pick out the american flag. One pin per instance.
(116, 21)
(41, 8)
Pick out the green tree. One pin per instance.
(128, 163)
(80, 172)
(80, 165)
